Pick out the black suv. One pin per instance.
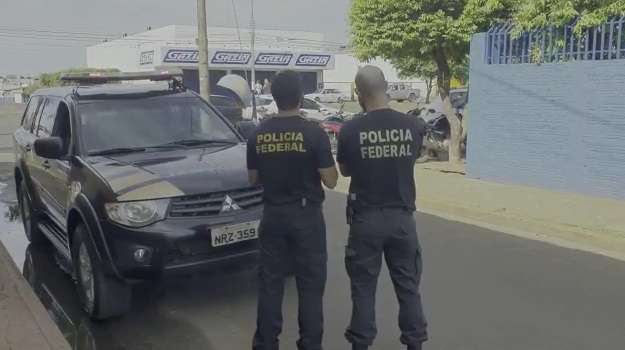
(132, 182)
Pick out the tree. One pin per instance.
(532, 14)
(425, 30)
(54, 79)
(411, 67)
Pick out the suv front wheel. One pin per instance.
(29, 216)
(102, 296)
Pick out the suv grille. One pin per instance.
(211, 204)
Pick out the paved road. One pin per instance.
(483, 290)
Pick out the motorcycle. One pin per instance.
(438, 133)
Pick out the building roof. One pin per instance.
(102, 89)
(224, 37)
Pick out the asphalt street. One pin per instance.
(482, 290)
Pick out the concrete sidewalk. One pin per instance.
(24, 323)
(570, 220)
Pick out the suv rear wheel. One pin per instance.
(102, 296)
(29, 217)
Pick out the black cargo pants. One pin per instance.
(292, 238)
(392, 233)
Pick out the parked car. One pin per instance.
(403, 92)
(133, 182)
(229, 107)
(328, 96)
(266, 107)
(261, 101)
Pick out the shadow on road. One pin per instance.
(152, 324)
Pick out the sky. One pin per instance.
(39, 53)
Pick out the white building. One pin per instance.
(320, 62)
(346, 67)
(175, 45)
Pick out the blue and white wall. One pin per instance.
(559, 126)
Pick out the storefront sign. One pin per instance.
(182, 56)
(313, 60)
(231, 57)
(274, 59)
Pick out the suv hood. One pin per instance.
(165, 174)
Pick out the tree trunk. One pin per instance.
(428, 86)
(444, 86)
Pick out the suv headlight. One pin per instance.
(137, 214)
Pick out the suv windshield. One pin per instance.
(136, 124)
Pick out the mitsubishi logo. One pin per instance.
(229, 205)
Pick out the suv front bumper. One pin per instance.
(179, 245)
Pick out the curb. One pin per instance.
(30, 328)
(541, 237)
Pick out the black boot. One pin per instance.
(414, 347)
(359, 347)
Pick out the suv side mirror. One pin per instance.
(49, 147)
(246, 128)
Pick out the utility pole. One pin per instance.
(253, 60)
(203, 48)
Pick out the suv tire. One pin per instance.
(102, 296)
(29, 216)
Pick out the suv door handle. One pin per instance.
(46, 164)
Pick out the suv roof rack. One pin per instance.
(174, 74)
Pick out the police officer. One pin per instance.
(291, 157)
(378, 151)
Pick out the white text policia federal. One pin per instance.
(392, 143)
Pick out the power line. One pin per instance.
(236, 21)
(83, 35)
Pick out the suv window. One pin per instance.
(31, 112)
(148, 122)
(62, 126)
(260, 101)
(223, 101)
(46, 121)
(309, 104)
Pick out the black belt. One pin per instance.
(303, 203)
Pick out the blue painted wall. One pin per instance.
(560, 125)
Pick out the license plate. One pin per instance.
(226, 235)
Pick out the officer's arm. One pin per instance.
(325, 161)
(329, 176)
(252, 176)
(344, 170)
(341, 153)
(252, 162)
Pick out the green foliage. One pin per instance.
(534, 14)
(410, 67)
(409, 31)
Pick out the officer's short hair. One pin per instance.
(287, 90)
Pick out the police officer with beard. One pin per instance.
(378, 151)
(291, 157)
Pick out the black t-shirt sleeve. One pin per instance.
(252, 157)
(420, 130)
(323, 154)
(341, 153)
